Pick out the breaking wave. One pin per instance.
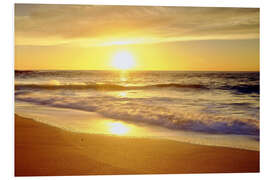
(139, 111)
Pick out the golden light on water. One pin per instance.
(118, 128)
(123, 60)
(123, 94)
(123, 78)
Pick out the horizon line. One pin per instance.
(135, 70)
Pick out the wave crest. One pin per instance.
(137, 111)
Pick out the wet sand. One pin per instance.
(43, 150)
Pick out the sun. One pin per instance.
(123, 60)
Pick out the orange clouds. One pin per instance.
(83, 25)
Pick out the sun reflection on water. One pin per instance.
(123, 94)
(123, 78)
(118, 128)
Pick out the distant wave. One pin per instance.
(243, 89)
(239, 89)
(23, 71)
(105, 87)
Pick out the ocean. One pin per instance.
(212, 108)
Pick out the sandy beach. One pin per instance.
(43, 150)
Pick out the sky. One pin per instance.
(157, 37)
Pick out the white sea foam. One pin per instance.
(139, 110)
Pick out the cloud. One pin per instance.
(98, 25)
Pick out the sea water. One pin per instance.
(215, 108)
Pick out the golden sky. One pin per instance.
(159, 38)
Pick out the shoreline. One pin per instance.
(44, 150)
(81, 121)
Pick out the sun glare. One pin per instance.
(118, 128)
(123, 60)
